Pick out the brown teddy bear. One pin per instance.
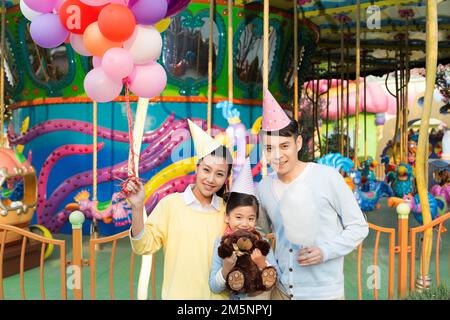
(246, 277)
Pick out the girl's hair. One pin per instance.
(222, 152)
(236, 199)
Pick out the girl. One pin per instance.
(186, 224)
(242, 210)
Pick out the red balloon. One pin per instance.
(77, 16)
(116, 22)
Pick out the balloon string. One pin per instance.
(132, 176)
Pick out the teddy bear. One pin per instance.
(246, 277)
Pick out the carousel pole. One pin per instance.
(265, 66)
(422, 152)
(94, 232)
(2, 76)
(365, 104)
(319, 140)
(210, 66)
(230, 52)
(405, 101)
(402, 104)
(341, 143)
(347, 104)
(328, 102)
(295, 60)
(397, 118)
(357, 78)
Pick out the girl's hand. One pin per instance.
(259, 259)
(136, 193)
(228, 264)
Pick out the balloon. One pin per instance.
(99, 87)
(148, 81)
(76, 16)
(58, 5)
(95, 3)
(41, 6)
(117, 63)
(149, 12)
(176, 6)
(116, 22)
(144, 45)
(47, 31)
(162, 25)
(27, 12)
(96, 61)
(76, 41)
(95, 42)
(301, 224)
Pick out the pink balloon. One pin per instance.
(96, 61)
(41, 6)
(148, 81)
(58, 5)
(99, 87)
(117, 63)
(76, 41)
(95, 3)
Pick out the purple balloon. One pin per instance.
(176, 6)
(149, 11)
(47, 31)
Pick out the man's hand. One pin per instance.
(259, 259)
(309, 256)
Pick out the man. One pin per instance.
(311, 211)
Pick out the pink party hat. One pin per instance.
(274, 118)
(244, 181)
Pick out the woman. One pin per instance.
(186, 224)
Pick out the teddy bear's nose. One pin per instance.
(244, 243)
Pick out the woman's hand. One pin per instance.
(136, 194)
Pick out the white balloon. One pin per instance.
(27, 12)
(144, 45)
(300, 219)
(76, 41)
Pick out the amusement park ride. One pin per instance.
(78, 92)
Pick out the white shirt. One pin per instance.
(192, 201)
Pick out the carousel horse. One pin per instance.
(401, 180)
(438, 205)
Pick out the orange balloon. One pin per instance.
(95, 42)
(116, 22)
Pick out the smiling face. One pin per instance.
(282, 153)
(242, 218)
(212, 172)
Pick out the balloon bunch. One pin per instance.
(123, 36)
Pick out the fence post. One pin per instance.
(76, 218)
(403, 211)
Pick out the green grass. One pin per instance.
(441, 292)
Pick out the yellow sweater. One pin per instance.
(187, 237)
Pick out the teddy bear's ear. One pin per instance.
(256, 233)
